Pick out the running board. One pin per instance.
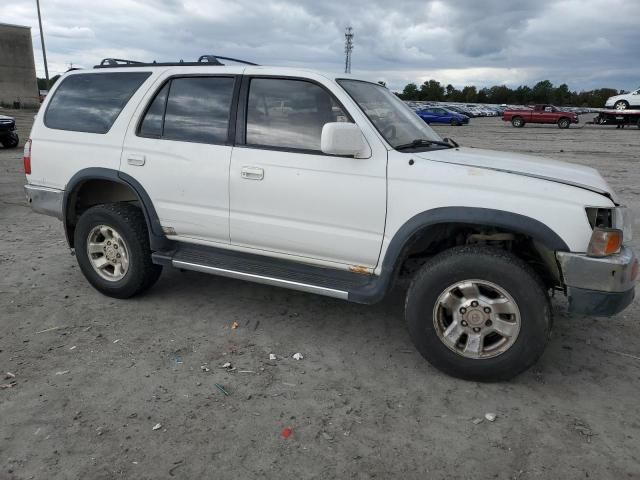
(329, 282)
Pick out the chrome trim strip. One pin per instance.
(278, 282)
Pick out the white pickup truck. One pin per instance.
(327, 184)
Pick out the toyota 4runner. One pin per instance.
(327, 184)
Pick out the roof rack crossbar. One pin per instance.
(215, 59)
(118, 61)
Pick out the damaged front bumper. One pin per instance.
(601, 286)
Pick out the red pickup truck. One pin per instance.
(540, 114)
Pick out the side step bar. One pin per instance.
(330, 282)
(252, 277)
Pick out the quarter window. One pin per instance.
(91, 102)
(289, 113)
(152, 123)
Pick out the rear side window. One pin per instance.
(91, 102)
(191, 109)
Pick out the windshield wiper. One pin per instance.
(421, 142)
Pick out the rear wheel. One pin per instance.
(112, 248)
(478, 313)
(621, 105)
(564, 123)
(517, 122)
(11, 141)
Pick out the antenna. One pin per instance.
(348, 47)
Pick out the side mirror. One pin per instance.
(341, 138)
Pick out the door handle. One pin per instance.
(252, 173)
(134, 159)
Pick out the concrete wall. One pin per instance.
(17, 68)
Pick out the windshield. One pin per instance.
(396, 122)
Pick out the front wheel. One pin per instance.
(517, 122)
(564, 123)
(112, 248)
(478, 313)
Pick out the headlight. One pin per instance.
(618, 218)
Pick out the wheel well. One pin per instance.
(434, 239)
(94, 192)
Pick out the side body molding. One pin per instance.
(157, 239)
(405, 235)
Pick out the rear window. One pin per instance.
(91, 102)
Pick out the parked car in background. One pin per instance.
(8, 136)
(460, 110)
(442, 115)
(624, 101)
(540, 114)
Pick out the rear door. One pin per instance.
(179, 149)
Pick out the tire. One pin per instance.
(487, 267)
(621, 105)
(124, 226)
(564, 123)
(12, 141)
(454, 123)
(517, 122)
(639, 123)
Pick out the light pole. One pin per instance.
(44, 51)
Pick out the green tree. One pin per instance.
(542, 92)
(469, 94)
(431, 90)
(410, 92)
(42, 82)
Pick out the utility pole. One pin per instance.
(44, 51)
(348, 47)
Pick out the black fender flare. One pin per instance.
(405, 235)
(157, 238)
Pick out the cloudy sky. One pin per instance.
(584, 43)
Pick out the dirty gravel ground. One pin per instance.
(361, 404)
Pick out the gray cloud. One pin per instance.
(584, 43)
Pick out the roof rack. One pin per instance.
(212, 60)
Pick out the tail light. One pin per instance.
(26, 158)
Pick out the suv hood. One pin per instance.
(526, 165)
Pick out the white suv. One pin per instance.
(326, 184)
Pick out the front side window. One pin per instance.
(289, 113)
(395, 121)
(190, 109)
(91, 102)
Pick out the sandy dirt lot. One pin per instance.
(94, 375)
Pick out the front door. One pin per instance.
(287, 197)
(179, 151)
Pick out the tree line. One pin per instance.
(542, 92)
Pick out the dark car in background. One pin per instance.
(8, 136)
(442, 115)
